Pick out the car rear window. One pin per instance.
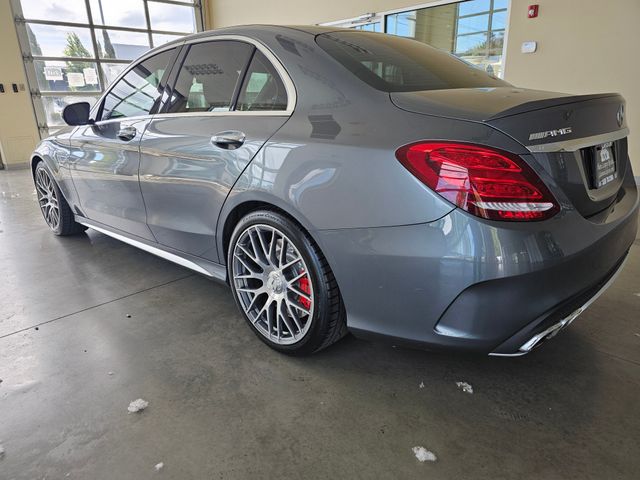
(396, 64)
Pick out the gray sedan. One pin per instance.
(350, 181)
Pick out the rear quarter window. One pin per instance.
(395, 64)
(263, 88)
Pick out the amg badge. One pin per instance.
(550, 133)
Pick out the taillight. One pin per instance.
(486, 182)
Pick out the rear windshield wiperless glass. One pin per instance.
(396, 64)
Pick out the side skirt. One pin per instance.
(197, 264)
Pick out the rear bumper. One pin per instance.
(550, 324)
(480, 286)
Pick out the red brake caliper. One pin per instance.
(303, 283)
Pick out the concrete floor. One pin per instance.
(224, 406)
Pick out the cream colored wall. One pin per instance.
(18, 132)
(301, 12)
(586, 46)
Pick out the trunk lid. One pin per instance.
(569, 136)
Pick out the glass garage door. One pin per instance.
(73, 49)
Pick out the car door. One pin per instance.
(105, 156)
(227, 99)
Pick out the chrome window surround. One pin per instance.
(284, 75)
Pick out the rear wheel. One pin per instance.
(54, 207)
(283, 284)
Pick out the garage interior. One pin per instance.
(89, 324)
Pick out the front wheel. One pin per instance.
(54, 207)
(283, 285)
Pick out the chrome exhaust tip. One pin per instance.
(550, 332)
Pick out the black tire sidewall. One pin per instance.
(321, 314)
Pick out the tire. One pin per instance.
(296, 282)
(53, 206)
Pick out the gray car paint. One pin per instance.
(104, 170)
(416, 283)
(474, 104)
(408, 264)
(185, 178)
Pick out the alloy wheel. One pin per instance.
(47, 198)
(273, 284)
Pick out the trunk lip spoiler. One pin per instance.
(575, 144)
(559, 101)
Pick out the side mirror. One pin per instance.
(77, 114)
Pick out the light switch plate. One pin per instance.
(529, 47)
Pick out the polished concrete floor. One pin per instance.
(88, 324)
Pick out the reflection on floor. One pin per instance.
(115, 324)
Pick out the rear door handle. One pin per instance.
(127, 133)
(229, 140)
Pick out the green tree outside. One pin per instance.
(75, 48)
(491, 46)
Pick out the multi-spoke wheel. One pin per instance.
(283, 284)
(54, 207)
(272, 283)
(47, 198)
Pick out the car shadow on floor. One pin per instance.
(562, 373)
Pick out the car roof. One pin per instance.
(248, 30)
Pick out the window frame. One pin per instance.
(275, 62)
(488, 32)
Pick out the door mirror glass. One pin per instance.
(77, 113)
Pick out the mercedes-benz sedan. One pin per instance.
(350, 181)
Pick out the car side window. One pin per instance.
(209, 76)
(139, 90)
(263, 88)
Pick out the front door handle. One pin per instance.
(229, 140)
(127, 133)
